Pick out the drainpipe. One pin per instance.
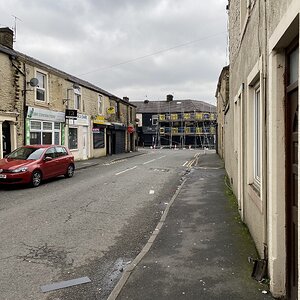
(265, 66)
(24, 104)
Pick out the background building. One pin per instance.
(176, 123)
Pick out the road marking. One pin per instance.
(151, 192)
(147, 162)
(185, 163)
(162, 156)
(126, 170)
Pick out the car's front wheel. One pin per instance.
(70, 171)
(36, 178)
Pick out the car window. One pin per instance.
(26, 153)
(60, 151)
(50, 152)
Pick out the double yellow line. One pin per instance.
(194, 161)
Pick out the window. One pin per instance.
(154, 120)
(41, 89)
(98, 138)
(44, 133)
(60, 151)
(77, 98)
(100, 105)
(73, 139)
(50, 153)
(257, 136)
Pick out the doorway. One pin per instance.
(6, 139)
(84, 142)
(291, 120)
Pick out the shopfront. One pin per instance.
(45, 127)
(79, 137)
(101, 145)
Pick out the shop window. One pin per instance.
(47, 138)
(47, 126)
(73, 138)
(43, 132)
(41, 89)
(98, 138)
(56, 138)
(35, 138)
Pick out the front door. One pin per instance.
(6, 142)
(84, 142)
(292, 170)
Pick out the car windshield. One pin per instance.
(26, 153)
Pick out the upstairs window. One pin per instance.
(77, 98)
(41, 89)
(100, 105)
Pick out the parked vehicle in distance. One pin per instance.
(33, 163)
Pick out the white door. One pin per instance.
(84, 142)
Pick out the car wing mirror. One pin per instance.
(47, 158)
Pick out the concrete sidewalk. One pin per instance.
(200, 248)
(83, 164)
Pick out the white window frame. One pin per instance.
(77, 95)
(257, 136)
(40, 131)
(38, 87)
(100, 104)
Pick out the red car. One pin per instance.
(31, 164)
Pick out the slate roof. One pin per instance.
(58, 72)
(173, 106)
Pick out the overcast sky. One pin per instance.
(136, 48)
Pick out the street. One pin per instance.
(92, 225)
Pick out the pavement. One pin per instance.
(200, 247)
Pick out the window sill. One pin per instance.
(73, 150)
(41, 103)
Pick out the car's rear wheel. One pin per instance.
(36, 178)
(70, 171)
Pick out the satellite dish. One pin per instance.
(34, 82)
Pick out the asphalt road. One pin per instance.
(90, 225)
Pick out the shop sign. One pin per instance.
(81, 120)
(45, 115)
(71, 113)
(130, 129)
(100, 120)
(111, 110)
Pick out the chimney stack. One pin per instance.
(169, 98)
(6, 37)
(126, 99)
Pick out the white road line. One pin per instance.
(185, 163)
(147, 162)
(126, 170)
(162, 156)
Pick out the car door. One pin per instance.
(62, 159)
(49, 167)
